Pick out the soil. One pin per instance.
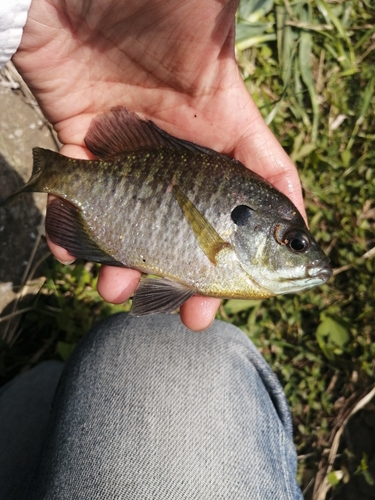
(21, 128)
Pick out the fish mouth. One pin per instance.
(320, 270)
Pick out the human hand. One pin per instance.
(170, 61)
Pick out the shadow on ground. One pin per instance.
(20, 130)
(357, 456)
(19, 224)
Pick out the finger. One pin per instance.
(60, 253)
(260, 151)
(270, 161)
(199, 312)
(117, 284)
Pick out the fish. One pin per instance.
(192, 220)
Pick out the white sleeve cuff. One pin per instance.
(13, 15)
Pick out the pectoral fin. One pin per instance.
(155, 295)
(208, 238)
(66, 228)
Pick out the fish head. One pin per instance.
(278, 253)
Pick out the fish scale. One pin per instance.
(151, 231)
(198, 219)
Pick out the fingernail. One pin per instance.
(66, 262)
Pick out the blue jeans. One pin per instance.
(146, 409)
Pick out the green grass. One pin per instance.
(313, 80)
(310, 67)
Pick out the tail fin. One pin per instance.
(42, 159)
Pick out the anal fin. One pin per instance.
(162, 295)
(66, 228)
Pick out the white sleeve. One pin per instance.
(13, 15)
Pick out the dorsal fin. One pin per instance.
(121, 131)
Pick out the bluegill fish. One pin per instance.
(198, 220)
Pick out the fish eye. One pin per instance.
(297, 240)
(241, 214)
